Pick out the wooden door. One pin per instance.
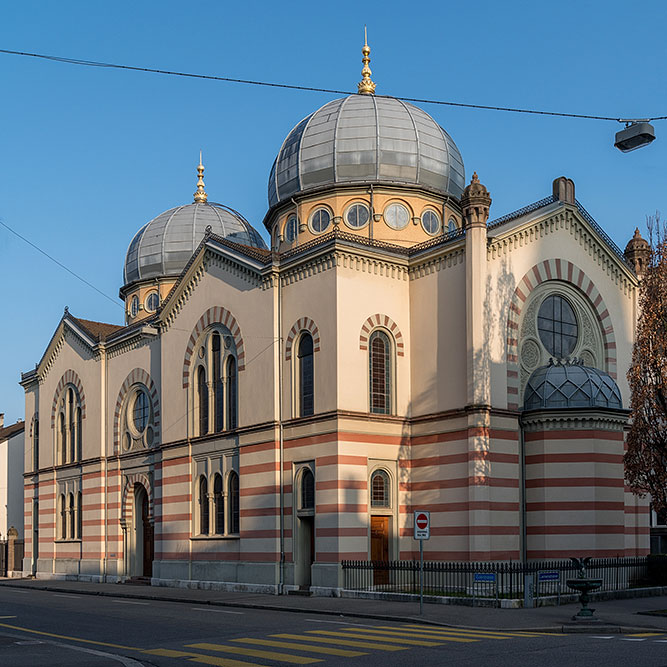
(148, 539)
(380, 547)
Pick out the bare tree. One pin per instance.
(646, 456)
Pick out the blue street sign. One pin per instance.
(485, 577)
(552, 575)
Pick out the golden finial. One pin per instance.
(200, 195)
(366, 86)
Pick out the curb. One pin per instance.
(558, 628)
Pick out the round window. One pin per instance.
(320, 220)
(557, 326)
(140, 411)
(396, 216)
(430, 222)
(452, 226)
(357, 215)
(291, 229)
(152, 302)
(134, 306)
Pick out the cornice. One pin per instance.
(574, 419)
(565, 218)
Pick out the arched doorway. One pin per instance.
(141, 542)
(304, 546)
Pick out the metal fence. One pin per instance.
(457, 579)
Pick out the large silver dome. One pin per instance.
(163, 246)
(364, 138)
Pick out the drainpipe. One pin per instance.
(281, 584)
(372, 220)
(105, 462)
(522, 493)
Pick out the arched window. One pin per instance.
(202, 396)
(78, 452)
(35, 444)
(307, 496)
(380, 373)
(306, 379)
(233, 502)
(219, 502)
(79, 515)
(218, 395)
(70, 512)
(380, 489)
(71, 433)
(203, 505)
(62, 438)
(557, 326)
(231, 393)
(63, 517)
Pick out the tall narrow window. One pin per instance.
(70, 513)
(78, 434)
(380, 489)
(79, 515)
(231, 393)
(219, 503)
(233, 502)
(62, 438)
(203, 506)
(307, 499)
(218, 396)
(63, 517)
(380, 373)
(35, 445)
(202, 395)
(306, 379)
(70, 416)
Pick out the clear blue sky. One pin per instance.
(87, 156)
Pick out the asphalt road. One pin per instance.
(44, 628)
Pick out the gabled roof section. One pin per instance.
(100, 331)
(8, 431)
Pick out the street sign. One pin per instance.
(485, 577)
(422, 525)
(548, 575)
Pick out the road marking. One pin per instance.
(477, 634)
(60, 595)
(302, 647)
(255, 653)
(218, 611)
(128, 602)
(356, 625)
(360, 634)
(13, 590)
(74, 639)
(646, 634)
(660, 641)
(221, 662)
(631, 639)
(7, 616)
(344, 642)
(608, 637)
(431, 628)
(401, 633)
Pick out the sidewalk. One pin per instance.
(616, 615)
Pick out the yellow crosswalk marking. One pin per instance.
(477, 634)
(168, 653)
(412, 634)
(431, 628)
(369, 635)
(344, 642)
(221, 662)
(302, 647)
(254, 653)
(646, 634)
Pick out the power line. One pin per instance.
(60, 264)
(269, 84)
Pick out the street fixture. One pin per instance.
(637, 133)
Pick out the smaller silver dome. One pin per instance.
(563, 386)
(164, 246)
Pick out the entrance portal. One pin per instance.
(380, 547)
(305, 551)
(142, 542)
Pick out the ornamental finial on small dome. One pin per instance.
(200, 195)
(366, 86)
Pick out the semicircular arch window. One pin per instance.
(557, 326)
